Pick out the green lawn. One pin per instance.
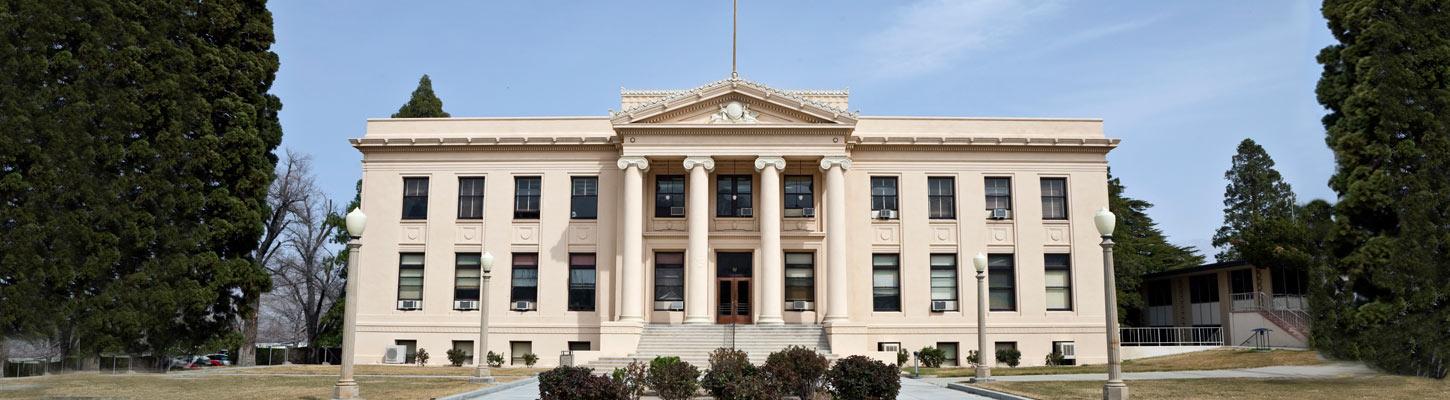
(394, 370)
(1370, 387)
(1203, 360)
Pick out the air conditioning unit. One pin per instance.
(808, 212)
(1068, 350)
(410, 304)
(794, 212)
(677, 211)
(891, 347)
(1001, 213)
(670, 305)
(800, 305)
(522, 306)
(943, 305)
(883, 214)
(747, 212)
(465, 305)
(395, 354)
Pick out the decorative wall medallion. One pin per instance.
(526, 234)
(1058, 234)
(734, 112)
(1000, 234)
(581, 233)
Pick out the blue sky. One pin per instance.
(1181, 83)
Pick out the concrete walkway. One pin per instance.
(911, 389)
(1333, 370)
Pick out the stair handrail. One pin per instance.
(1298, 320)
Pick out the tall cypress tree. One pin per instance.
(1386, 85)
(139, 140)
(1140, 248)
(1255, 192)
(423, 104)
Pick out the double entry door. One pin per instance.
(732, 279)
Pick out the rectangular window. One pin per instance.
(410, 276)
(466, 346)
(1289, 281)
(581, 282)
(519, 348)
(669, 195)
(944, 279)
(579, 346)
(525, 284)
(415, 198)
(1203, 288)
(999, 194)
(465, 276)
(799, 195)
(800, 277)
(1058, 276)
(470, 198)
(733, 196)
(1001, 283)
(949, 351)
(1241, 281)
(1000, 347)
(584, 198)
(409, 349)
(526, 197)
(669, 276)
(883, 193)
(941, 197)
(886, 282)
(1054, 198)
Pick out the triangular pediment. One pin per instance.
(733, 102)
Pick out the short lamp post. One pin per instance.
(984, 371)
(1114, 389)
(346, 387)
(481, 374)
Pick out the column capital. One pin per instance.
(634, 161)
(836, 161)
(701, 161)
(767, 161)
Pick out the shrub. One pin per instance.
(1011, 357)
(530, 359)
(798, 369)
(578, 383)
(973, 359)
(902, 356)
(421, 357)
(1054, 359)
(728, 367)
(931, 357)
(456, 357)
(673, 379)
(863, 378)
(758, 386)
(632, 377)
(495, 359)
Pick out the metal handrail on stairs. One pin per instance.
(1294, 320)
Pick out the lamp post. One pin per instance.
(346, 387)
(984, 372)
(1114, 389)
(481, 374)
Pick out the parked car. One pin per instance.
(220, 359)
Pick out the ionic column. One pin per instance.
(836, 289)
(772, 280)
(632, 285)
(697, 209)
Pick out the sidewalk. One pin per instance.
(911, 389)
(1307, 371)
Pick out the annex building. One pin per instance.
(731, 214)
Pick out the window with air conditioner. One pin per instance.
(524, 279)
(999, 197)
(465, 278)
(669, 281)
(669, 196)
(944, 282)
(410, 279)
(799, 196)
(733, 195)
(883, 197)
(800, 281)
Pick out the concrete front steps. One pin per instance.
(693, 343)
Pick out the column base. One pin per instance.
(698, 321)
(981, 380)
(637, 320)
(345, 390)
(770, 321)
(1115, 391)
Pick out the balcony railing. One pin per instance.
(1173, 336)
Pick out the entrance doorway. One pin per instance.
(732, 278)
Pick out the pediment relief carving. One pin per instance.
(733, 109)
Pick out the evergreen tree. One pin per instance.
(1255, 192)
(1386, 85)
(1140, 249)
(423, 104)
(138, 149)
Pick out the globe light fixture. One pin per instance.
(356, 222)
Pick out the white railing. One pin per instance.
(1289, 310)
(1173, 336)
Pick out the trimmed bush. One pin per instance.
(1011, 357)
(673, 379)
(732, 377)
(902, 356)
(632, 377)
(421, 357)
(495, 359)
(1055, 359)
(932, 357)
(578, 383)
(863, 378)
(798, 369)
(973, 359)
(530, 359)
(457, 357)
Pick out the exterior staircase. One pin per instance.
(693, 343)
(1293, 321)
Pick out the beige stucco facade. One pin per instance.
(732, 127)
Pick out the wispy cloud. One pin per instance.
(932, 34)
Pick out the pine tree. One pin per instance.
(1255, 192)
(139, 140)
(1386, 85)
(423, 104)
(1140, 249)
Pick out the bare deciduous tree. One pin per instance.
(284, 197)
(307, 280)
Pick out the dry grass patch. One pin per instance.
(392, 370)
(222, 386)
(1376, 387)
(1202, 360)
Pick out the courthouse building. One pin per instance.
(731, 214)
